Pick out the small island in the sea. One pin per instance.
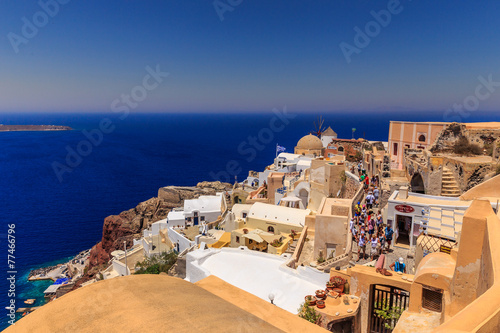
(9, 128)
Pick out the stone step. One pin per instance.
(450, 190)
(450, 194)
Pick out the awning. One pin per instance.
(254, 237)
(270, 238)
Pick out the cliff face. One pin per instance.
(129, 224)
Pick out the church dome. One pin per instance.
(310, 142)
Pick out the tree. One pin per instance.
(309, 313)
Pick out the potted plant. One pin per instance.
(338, 283)
(276, 243)
(330, 285)
(321, 294)
(321, 259)
(245, 231)
(310, 300)
(320, 304)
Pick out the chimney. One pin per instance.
(403, 193)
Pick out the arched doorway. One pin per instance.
(417, 184)
(304, 196)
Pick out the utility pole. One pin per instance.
(125, 247)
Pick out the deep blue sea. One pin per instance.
(57, 217)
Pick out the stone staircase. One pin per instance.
(449, 186)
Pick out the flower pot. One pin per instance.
(320, 294)
(338, 290)
(320, 304)
(311, 300)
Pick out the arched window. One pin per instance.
(340, 148)
(270, 229)
(421, 138)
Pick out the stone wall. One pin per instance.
(350, 188)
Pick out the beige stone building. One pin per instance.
(309, 145)
(411, 135)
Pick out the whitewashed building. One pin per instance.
(206, 208)
(410, 214)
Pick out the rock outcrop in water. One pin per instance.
(11, 128)
(129, 224)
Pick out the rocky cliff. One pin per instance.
(129, 224)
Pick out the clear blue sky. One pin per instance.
(264, 54)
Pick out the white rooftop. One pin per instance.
(279, 213)
(205, 203)
(257, 273)
(290, 198)
(288, 156)
(175, 215)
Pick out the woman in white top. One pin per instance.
(361, 246)
(373, 250)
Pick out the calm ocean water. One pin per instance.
(56, 219)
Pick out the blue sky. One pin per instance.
(263, 54)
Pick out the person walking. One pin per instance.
(354, 232)
(357, 208)
(370, 198)
(361, 246)
(388, 236)
(373, 249)
(376, 194)
(381, 241)
(371, 226)
(380, 221)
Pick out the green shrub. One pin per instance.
(157, 263)
(309, 313)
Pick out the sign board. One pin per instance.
(404, 208)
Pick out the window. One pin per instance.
(421, 138)
(202, 218)
(188, 219)
(395, 148)
(237, 239)
(341, 149)
(244, 215)
(270, 229)
(432, 299)
(250, 241)
(407, 146)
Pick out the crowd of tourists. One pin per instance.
(367, 227)
(368, 230)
